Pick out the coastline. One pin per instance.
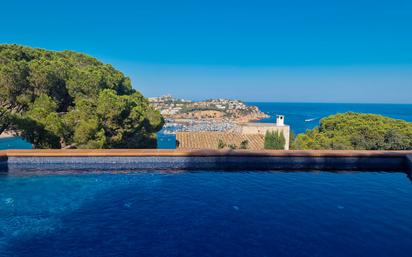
(6, 135)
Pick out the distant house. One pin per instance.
(253, 133)
(261, 128)
(210, 140)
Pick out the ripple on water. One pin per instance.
(206, 214)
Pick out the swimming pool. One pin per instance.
(205, 213)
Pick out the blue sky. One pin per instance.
(299, 51)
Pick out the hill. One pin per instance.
(61, 99)
(356, 131)
(211, 109)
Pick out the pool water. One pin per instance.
(203, 213)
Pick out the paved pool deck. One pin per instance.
(115, 159)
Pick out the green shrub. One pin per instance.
(221, 144)
(274, 140)
(244, 144)
(232, 146)
(357, 131)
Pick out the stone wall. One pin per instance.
(261, 128)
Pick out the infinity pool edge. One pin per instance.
(206, 159)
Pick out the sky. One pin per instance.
(280, 51)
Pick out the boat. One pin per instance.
(309, 120)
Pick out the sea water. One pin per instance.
(300, 117)
(205, 213)
(14, 143)
(303, 116)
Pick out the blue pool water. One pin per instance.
(206, 214)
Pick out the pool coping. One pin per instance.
(206, 159)
(199, 153)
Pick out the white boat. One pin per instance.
(309, 120)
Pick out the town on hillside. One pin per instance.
(216, 123)
(208, 115)
(216, 109)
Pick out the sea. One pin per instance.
(303, 116)
(14, 143)
(300, 117)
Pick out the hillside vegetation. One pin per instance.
(356, 131)
(59, 99)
